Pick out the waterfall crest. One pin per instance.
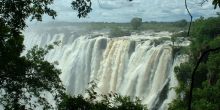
(132, 65)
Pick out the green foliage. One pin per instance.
(215, 43)
(205, 35)
(178, 105)
(207, 97)
(117, 32)
(23, 78)
(159, 41)
(162, 26)
(180, 50)
(136, 23)
(181, 23)
(94, 101)
(179, 34)
(27, 77)
(216, 3)
(214, 67)
(82, 6)
(173, 39)
(206, 29)
(14, 13)
(87, 27)
(183, 72)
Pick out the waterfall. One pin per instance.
(132, 65)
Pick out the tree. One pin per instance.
(14, 13)
(82, 6)
(136, 23)
(23, 78)
(216, 3)
(203, 67)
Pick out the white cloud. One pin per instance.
(124, 11)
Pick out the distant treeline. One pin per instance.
(113, 29)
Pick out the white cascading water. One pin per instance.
(130, 65)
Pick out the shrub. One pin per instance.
(117, 32)
(136, 23)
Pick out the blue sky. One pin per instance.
(124, 11)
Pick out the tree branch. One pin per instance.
(194, 71)
(191, 17)
(203, 1)
(200, 59)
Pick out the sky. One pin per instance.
(124, 10)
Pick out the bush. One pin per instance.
(117, 32)
(179, 34)
(159, 41)
(179, 50)
(95, 101)
(181, 23)
(136, 23)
